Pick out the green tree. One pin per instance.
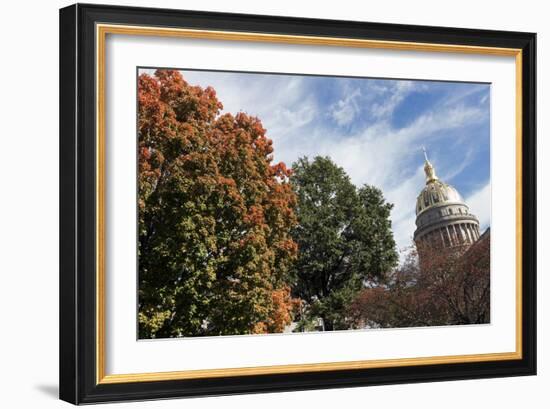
(214, 216)
(344, 238)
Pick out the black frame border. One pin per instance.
(77, 381)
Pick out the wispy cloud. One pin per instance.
(396, 92)
(345, 110)
(480, 205)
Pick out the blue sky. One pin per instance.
(374, 129)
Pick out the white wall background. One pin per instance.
(29, 203)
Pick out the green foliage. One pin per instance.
(344, 239)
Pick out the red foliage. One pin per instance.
(451, 288)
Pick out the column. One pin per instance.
(449, 236)
(461, 233)
(474, 232)
(471, 233)
(468, 237)
(455, 234)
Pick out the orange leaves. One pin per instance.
(255, 216)
(280, 170)
(145, 154)
(284, 307)
(289, 246)
(148, 89)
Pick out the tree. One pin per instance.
(344, 238)
(449, 287)
(214, 216)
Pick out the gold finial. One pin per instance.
(428, 168)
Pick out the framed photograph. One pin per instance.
(257, 203)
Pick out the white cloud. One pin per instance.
(283, 104)
(397, 91)
(466, 160)
(373, 156)
(484, 98)
(480, 205)
(345, 110)
(403, 196)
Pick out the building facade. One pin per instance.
(443, 219)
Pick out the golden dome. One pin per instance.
(436, 192)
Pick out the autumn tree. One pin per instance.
(344, 238)
(215, 216)
(449, 287)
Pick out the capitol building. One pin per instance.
(443, 219)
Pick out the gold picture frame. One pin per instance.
(99, 22)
